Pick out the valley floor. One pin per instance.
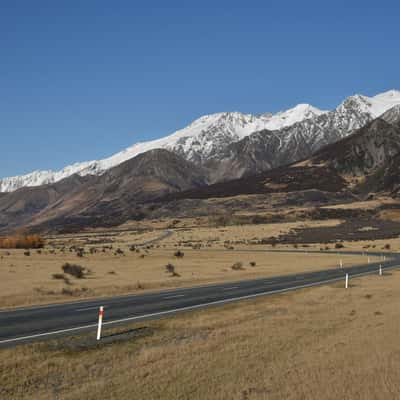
(207, 255)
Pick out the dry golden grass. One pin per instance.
(239, 234)
(390, 215)
(322, 343)
(26, 280)
(365, 205)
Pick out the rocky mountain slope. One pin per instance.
(266, 149)
(281, 138)
(365, 162)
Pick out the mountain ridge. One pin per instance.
(208, 137)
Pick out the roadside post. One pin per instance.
(341, 263)
(380, 269)
(347, 281)
(101, 313)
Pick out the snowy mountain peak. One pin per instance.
(208, 136)
(390, 95)
(296, 114)
(374, 106)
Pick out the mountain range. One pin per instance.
(350, 152)
(284, 137)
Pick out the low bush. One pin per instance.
(80, 252)
(339, 245)
(170, 268)
(75, 270)
(179, 254)
(237, 266)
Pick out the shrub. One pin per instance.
(170, 268)
(237, 266)
(179, 254)
(253, 263)
(387, 246)
(80, 252)
(75, 270)
(27, 253)
(119, 252)
(339, 246)
(132, 248)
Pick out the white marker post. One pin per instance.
(347, 281)
(380, 269)
(341, 263)
(101, 313)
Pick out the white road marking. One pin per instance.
(226, 301)
(174, 297)
(87, 308)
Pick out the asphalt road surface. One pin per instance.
(32, 324)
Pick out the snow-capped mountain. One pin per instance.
(200, 140)
(267, 149)
(287, 136)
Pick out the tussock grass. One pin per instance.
(320, 343)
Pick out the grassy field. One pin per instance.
(120, 263)
(319, 343)
(38, 278)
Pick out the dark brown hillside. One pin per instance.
(113, 197)
(286, 179)
(16, 208)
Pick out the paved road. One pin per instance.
(41, 323)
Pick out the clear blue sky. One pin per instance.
(82, 79)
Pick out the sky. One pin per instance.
(83, 79)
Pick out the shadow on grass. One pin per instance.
(88, 341)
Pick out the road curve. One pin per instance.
(33, 324)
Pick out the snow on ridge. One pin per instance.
(235, 125)
(205, 136)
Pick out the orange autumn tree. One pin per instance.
(22, 242)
